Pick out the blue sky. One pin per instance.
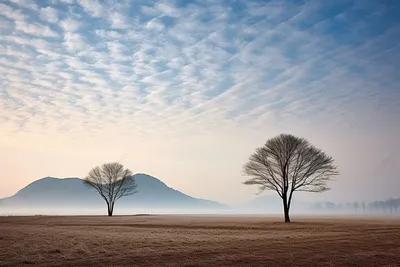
(200, 84)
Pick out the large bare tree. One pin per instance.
(112, 181)
(286, 164)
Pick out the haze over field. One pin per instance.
(186, 90)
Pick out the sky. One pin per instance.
(187, 90)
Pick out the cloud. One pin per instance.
(118, 21)
(70, 24)
(163, 69)
(35, 29)
(74, 42)
(155, 25)
(5, 24)
(29, 4)
(11, 13)
(168, 8)
(49, 14)
(93, 7)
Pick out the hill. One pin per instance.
(56, 195)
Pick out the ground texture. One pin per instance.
(198, 241)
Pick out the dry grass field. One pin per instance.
(198, 241)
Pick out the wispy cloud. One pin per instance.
(180, 68)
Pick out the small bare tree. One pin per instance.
(112, 182)
(287, 164)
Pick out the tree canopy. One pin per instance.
(112, 181)
(286, 164)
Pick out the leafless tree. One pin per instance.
(112, 181)
(287, 164)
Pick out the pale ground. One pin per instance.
(169, 240)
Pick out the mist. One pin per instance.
(261, 206)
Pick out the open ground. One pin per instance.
(175, 240)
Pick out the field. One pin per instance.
(198, 241)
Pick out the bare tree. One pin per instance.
(287, 164)
(112, 182)
(356, 205)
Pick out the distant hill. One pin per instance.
(57, 194)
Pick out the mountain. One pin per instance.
(59, 195)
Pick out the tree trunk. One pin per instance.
(110, 209)
(286, 210)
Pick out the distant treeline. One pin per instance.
(391, 205)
